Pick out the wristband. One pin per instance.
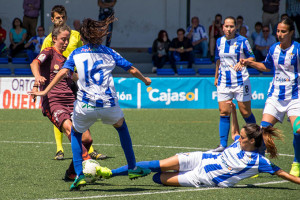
(36, 86)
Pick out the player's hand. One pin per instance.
(40, 80)
(239, 66)
(147, 81)
(232, 105)
(34, 89)
(37, 93)
(216, 82)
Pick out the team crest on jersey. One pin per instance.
(42, 57)
(56, 68)
(291, 55)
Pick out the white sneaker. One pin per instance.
(220, 148)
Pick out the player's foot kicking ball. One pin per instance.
(78, 183)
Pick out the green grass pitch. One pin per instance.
(28, 171)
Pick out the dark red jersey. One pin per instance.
(51, 61)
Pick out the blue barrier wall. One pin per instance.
(189, 93)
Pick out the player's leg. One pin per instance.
(295, 122)
(58, 139)
(96, 155)
(245, 109)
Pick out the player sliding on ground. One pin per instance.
(96, 98)
(196, 169)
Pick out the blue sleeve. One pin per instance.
(269, 62)
(217, 57)
(265, 166)
(237, 137)
(120, 61)
(70, 64)
(247, 49)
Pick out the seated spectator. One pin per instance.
(258, 27)
(160, 50)
(215, 31)
(35, 43)
(263, 43)
(197, 34)
(239, 24)
(17, 37)
(243, 31)
(181, 49)
(2, 39)
(76, 25)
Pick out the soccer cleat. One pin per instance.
(255, 176)
(220, 148)
(78, 183)
(69, 177)
(138, 172)
(103, 172)
(59, 155)
(97, 156)
(295, 170)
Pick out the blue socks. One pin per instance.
(126, 145)
(123, 171)
(296, 144)
(250, 119)
(224, 127)
(76, 144)
(156, 178)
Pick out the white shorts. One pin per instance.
(85, 116)
(190, 170)
(241, 93)
(278, 108)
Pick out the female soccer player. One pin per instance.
(96, 97)
(58, 104)
(230, 83)
(283, 95)
(239, 161)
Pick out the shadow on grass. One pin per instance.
(261, 187)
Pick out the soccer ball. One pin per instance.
(89, 170)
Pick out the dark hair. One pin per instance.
(240, 17)
(258, 24)
(0, 20)
(263, 136)
(284, 15)
(41, 27)
(289, 23)
(93, 31)
(195, 17)
(60, 9)
(58, 29)
(180, 29)
(266, 26)
(13, 23)
(161, 35)
(230, 17)
(218, 15)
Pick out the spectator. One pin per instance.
(197, 34)
(263, 43)
(31, 14)
(181, 50)
(270, 13)
(76, 25)
(215, 31)
(2, 38)
(17, 37)
(239, 24)
(243, 31)
(293, 11)
(35, 43)
(258, 27)
(282, 17)
(160, 50)
(106, 10)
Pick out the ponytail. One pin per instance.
(268, 136)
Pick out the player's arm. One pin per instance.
(284, 175)
(234, 123)
(136, 73)
(257, 65)
(60, 75)
(35, 68)
(217, 72)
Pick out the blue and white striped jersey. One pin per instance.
(94, 66)
(229, 52)
(232, 165)
(285, 63)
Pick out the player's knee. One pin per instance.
(156, 178)
(119, 123)
(296, 126)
